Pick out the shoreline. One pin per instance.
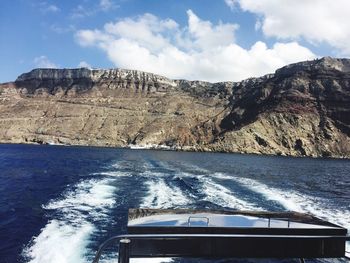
(172, 149)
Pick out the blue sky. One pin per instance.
(193, 39)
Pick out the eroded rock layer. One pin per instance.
(301, 110)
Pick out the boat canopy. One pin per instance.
(228, 234)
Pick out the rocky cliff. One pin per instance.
(302, 109)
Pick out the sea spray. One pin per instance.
(65, 238)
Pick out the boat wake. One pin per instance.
(273, 197)
(75, 219)
(295, 201)
(160, 195)
(66, 236)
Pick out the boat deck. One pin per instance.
(203, 233)
(227, 234)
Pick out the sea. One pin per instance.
(59, 203)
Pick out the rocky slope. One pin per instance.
(301, 110)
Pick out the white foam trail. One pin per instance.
(59, 242)
(216, 193)
(92, 197)
(115, 174)
(195, 168)
(128, 164)
(294, 201)
(64, 240)
(222, 196)
(291, 200)
(160, 195)
(269, 193)
(222, 176)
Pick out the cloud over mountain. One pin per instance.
(200, 50)
(316, 21)
(44, 62)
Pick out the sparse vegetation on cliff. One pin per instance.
(301, 110)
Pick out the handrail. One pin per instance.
(278, 218)
(103, 246)
(169, 236)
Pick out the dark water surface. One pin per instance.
(57, 204)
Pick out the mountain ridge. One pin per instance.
(303, 109)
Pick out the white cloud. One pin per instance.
(44, 62)
(82, 11)
(107, 5)
(147, 30)
(231, 3)
(206, 36)
(61, 30)
(52, 8)
(48, 8)
(84, 64)
(316, 21)
(200, 50)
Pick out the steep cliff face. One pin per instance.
(72, 81)
(301, 110)
(106, 107)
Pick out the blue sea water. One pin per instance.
(57, 204)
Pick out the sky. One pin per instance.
(212, 40)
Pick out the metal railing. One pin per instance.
(125, 240)
(276, 219)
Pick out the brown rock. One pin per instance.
(301, 110)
